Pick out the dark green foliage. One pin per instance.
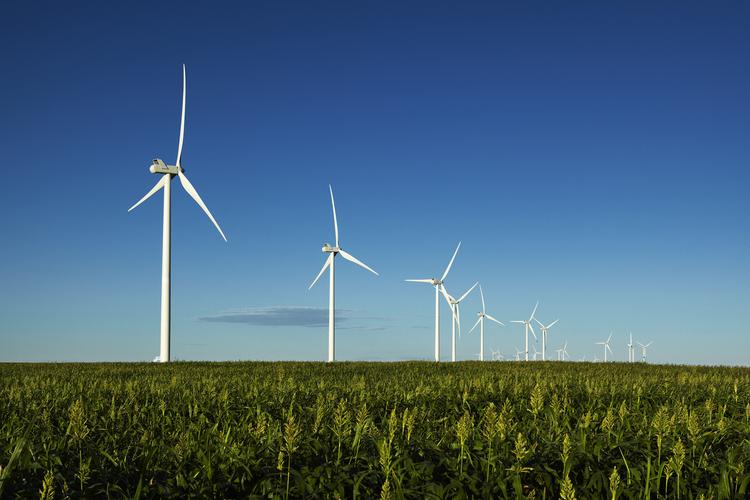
(374, 430)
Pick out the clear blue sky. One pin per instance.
(590, 155)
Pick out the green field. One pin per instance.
(374, 430)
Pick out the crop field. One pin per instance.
(374, 430)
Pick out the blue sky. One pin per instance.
(592, 156)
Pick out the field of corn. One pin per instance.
(374, 430)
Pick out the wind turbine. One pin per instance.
(456, 319)
(643, 350)
(536, 353)
(497, 355)
(606, 346)
(564, 352)
(544, 336)
(480, 321)
(631, 350)
(518, 354)
(166, 172)
(527, 326)
(438, 284)
(332, 252)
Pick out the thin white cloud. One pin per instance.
(277, 316)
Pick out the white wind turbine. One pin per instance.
(606, 346)
(643, 350)
(527, 326)
(497, 355)
(535, 353)
(518, 354)
(544, 335)
(438, 284)
(631, 350)
(166, 172)
(456, 319)
(564, 352)
(480, 321)
(332, 252)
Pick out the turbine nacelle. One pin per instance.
(159, 167)
(329, 249)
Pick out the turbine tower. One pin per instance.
(332, 252)
(480, 321)
(527, 326)
(544, 336)
(438, 284)
(631, 350)
(456, 319)
(606, 346)
(643, 350)
(165, 173)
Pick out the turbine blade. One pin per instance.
(157, 186)
(335, 222)
(194, 195)
(446, 296)
(325, 266)
(532, 330)
(447, 269)
(182, 119)
(481, 294)
(495, 320)
(517, 321)
(539, 322)
(468, 292)
(552, 324)
(420, 281)
(476, 324)
(534, 311)
(351, 258)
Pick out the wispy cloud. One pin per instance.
(277, 316)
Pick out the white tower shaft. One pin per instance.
(481, 338)
(166, 259)
(437, 325)
(453, 333)
(331, 315)
(526, 335)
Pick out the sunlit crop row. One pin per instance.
(368, 430)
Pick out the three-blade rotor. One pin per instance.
(332, 251)
(167, 172)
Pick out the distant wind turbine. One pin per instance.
(563, 352)
(332, 252)
(456, 319)
(497, 355)
(527, 326)
(535, 353)
(544, 335)
(631, 350)
(166, 173)
(438, 284)
(480, 321)
(643, 350)
(606, 346)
